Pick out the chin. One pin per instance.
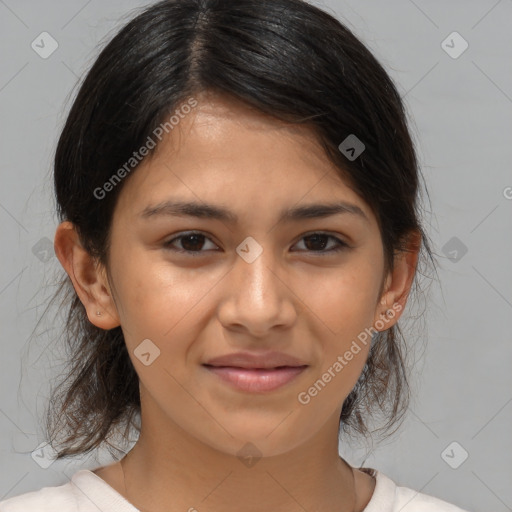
(256, 437)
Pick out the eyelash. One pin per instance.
(340, 247)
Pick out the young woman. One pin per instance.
(240, 229)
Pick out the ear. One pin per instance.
(88, 277)
(398, 283)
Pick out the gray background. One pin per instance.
(462, 114)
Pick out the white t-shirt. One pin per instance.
(87, 492)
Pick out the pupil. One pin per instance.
(195, 244)
(316, 238)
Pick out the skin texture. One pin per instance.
(296, 297)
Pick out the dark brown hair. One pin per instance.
(286, 58)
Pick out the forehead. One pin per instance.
(224, 128)
(224, 151)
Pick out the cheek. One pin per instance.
(341, 301)
(160, 301)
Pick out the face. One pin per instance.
(247, 282)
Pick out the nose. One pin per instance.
(257, 297)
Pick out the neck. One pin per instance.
(182, 471)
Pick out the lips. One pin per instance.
(254, 380)
(256, 360)
(256, 372)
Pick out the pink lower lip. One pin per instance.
(256, 380)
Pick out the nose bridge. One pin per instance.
(255, 272)
(255, 298)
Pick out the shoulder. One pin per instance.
(61, 498)
(85, 492)
(389, 497)
(408, 500)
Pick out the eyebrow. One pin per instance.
(210, 211)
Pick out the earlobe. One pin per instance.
(87, 277)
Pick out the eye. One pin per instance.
(193, 242)
(319, 240)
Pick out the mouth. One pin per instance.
(256, 380)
